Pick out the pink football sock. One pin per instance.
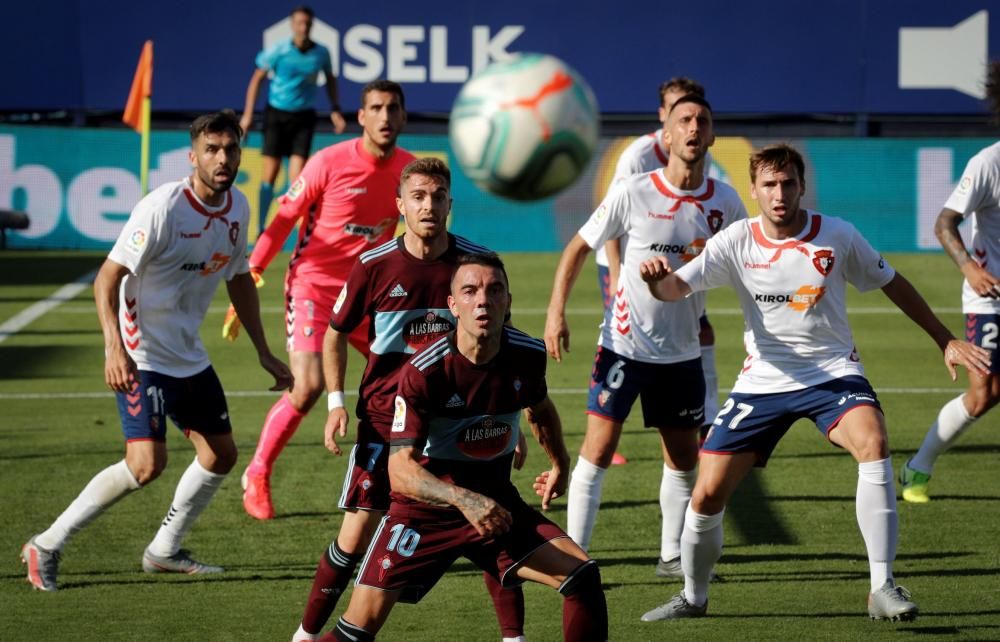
(279, 426)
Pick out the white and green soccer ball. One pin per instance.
(524, 128)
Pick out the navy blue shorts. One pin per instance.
(983, 330)
(193, 403)
(672, 394)
(756, 423)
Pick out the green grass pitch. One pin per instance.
(794, 564)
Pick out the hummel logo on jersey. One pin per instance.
(455, 402)
(357, 190)
(398, 291)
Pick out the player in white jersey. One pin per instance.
(647, 346)
(790, 268)
(152, 294)
(977, 195)
(645, 154)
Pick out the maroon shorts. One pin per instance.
(415, 545)
(366, 484)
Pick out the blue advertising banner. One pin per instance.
(850, 56)
(79, 185)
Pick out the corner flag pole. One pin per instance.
(138, 108)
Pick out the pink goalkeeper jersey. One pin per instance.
(346, 201)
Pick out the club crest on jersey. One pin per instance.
(823, 261)
(234, 232)
(603, 397)
(485, 439)
(714, 219)
(296, 189)
(425, 329)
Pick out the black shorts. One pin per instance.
(288, 133)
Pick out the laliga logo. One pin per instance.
(806, 297)
(404, 53)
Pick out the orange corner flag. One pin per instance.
(142, 88)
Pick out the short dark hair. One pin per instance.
(427, 166)
(303, 9)
(215, 123)
(488, 259)
(777, 157)
(993, 87)
(693, 99)
(387, 86)
(682, 84)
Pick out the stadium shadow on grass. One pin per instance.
(22, 268)
(749, 511)
(39, 362)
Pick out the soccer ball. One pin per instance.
(524, 128)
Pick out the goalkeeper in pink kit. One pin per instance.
(344, 201)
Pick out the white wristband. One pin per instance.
(335, 399)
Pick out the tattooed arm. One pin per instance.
(946, 230)
(409, 478)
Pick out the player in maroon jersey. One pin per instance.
(456, 419)
(401, 288)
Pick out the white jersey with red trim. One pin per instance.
(644, 154)
(793, 297)
(177, 249)
(978, 194)
(653, 217)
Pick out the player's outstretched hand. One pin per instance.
(654, 269)
(336, 426)
(981, 280)
(120, 372)
(556, 335)
(489, 518)
(520, 451)
(971, 356)
(283, 379)
(549, 485)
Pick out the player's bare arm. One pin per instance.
(119, 368)
(409, 478)
(980, 280)
(613, 250)
(251, 100)
(570, 264)
(243, 295)
(956, 353)
(663, 284)
(547, 428)
(334, 371)
(332, 92)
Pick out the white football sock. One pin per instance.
(951, 422)
(103, 490)
(701, 547)
(877, 518)
(519, 638)
(302, 635)
(194, 491)
(711, 383)
(583, 501)
(675, 493)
